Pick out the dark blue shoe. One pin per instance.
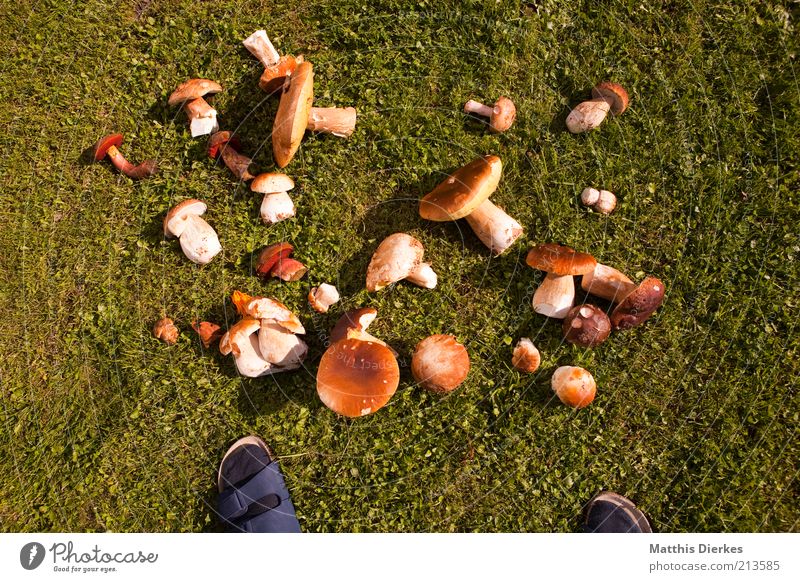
(609, 512)
(253, 496)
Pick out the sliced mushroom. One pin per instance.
(275, 261)
(226, 144)
(209, 332)
(465, 194)
(281, 347)
(607, 282)
(399, 257)
(198, 240)
(274, 77)
(440, 363)
(261, 48)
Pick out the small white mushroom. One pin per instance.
(399, 257)
(602, 201)
(261, 48)
(322, 297)
(199, 241)
(276, 205)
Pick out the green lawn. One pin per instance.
(104, 428)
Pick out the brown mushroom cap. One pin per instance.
(356, 377)
(393, 260)
(358, 319)
(180, 211)
(102, 146)
(271, 182)
(273, 77)
(463, 191)
(613, 93)
(574, 386)
(193, 89)
(639, 304)
(504, 113)
(560, 260)
(291, 119)
(440, 363)
(271, 256)
(586, 325)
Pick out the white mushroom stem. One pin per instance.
(280, 347)
(261, 48)
(199, 241)
(340, 121)
(555, 296)
(424, 276)
(276, 207)
(496, 229)
(202, 117)
(473, 106)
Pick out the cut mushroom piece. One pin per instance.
(399, 257)
(607, 283)
(602, 201)
(586, 325)
(275, 261)
(165, 330)
(440, 363)
(108, 147)
(526, 356)
(295, 112)
(276, 205)
(242, 341)
(501, 115)
(321, 298)
(574, 386)
(280, 347)
(199, 241)
(556, 295)
(590, 114)
(202, 117)
(209, 332)
(261, 48)
(639, 304)
(225, 144)
(466, 193)
(274, 77)
(357, 377)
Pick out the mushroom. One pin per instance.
(165, 330)
(526, 357)
(322, 297)
(199, 241)
(602, 201)
(574, 386)
(242, 341)
(639, 304)
(354, 324)
(108, 146)
(267, 308)
(274, 261)
(465, 194)
(607, 282)
(225, 144)
(501, 115)
(296, 114)
(556, 295)
(586, 325)
(440, 363)
(280, 347)
(399, 257)
(273, 77)
(209, 332)
(276, 205)
(261, 48)
(202, 117)
(590, 114)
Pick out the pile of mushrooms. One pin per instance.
(199, 241)
(265, 340)
(358, 373)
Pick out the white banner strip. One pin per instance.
(379, 557)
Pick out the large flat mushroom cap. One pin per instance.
(101, 147)
(614, 94)
(193, 89)
(463, 191)
(357, 377)
(291, 119)
(393, 260)
(639, 304)
(440, 363)
(179, 213)
(270, 182)
(560, 260)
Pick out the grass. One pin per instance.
(103, 428)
